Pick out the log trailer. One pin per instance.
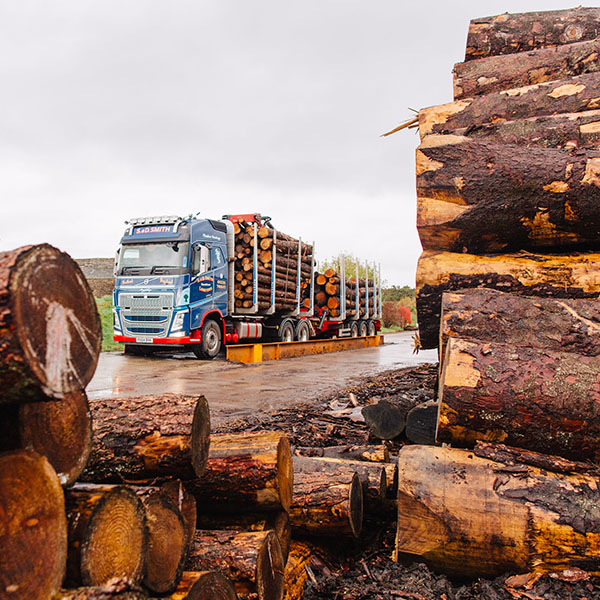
(174, 287)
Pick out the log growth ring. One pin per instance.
(57, 323)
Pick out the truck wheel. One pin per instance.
(302, 331)
(354, 329)
(371, 327)
(286, 331)
(210, 341)
(362, 328)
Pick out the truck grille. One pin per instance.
(148, 314)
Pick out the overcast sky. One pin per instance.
(111, 110)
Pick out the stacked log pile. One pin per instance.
(278, 259)
(507, 185)
(328, 294)
(510, 167)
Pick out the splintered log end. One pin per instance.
(285, 472)
(270, 569)
(108, 534)
(200, 436)
(61, 431)
(186, 503)
(204, 585)
(33, 527)
(167, 542)
(54, 325)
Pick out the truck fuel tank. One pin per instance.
(248, 330)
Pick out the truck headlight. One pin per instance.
(178, 320)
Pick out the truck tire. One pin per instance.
(363, 330)
(286, 331)
(302, 331)
(210, 341)
(371, 328)
(354, 329)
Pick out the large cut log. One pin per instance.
(296, 573)
(108, 536)
(246, 472)
(146, 438)
(60, 430)
(327, 504)
(575, 94)
(116, 589)
(373, 476)
(186, 503)
(167, 542)
(545, 323)
(378, 453)
(527, 397)
(252, 560)
(50, 329)
(278, 521)
(384, 419)
(421, 422)
(478, 197)
(476, 77)
(567, 276)
(564, 130)
(204, 585)
(469, 516)
(33, 528)
(521, 32)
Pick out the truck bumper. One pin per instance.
(165, 340)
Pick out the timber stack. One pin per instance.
(508, 173)
(271, 264)
(507, 289)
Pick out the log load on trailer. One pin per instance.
(195, 284)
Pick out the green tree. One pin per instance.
(349, 261)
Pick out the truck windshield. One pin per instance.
(165, 258)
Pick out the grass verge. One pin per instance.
(106, 317)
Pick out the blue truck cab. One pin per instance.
(172, 284)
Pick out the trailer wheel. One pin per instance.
(354, 329)
(371, 327)
(302, 331)
(286, 331)
(362, 328)
(210, 341)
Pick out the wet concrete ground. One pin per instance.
(235, 390)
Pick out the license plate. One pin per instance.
(143, 340)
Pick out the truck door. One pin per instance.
(219, 270)
(202, 288)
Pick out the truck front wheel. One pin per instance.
(210, 341)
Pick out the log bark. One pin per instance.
(246, 472)
(495, 73)
(421, 423)
(565, 130)
(279, 522)
(373, 476)
(146, 438)
(116, 589)
(296, 574)
(525, 397)
(567, 276)
(33, 530)
(186, 503)
(544, 323)
(204, 585)
(108, 535)
(572, 95)
(522, 32)
(384, 419)
(167, 541)
(60, 430)
(326, 504)
(378, 453)
(252, 560)
(473, 517)
(479, 197)
(51, 334)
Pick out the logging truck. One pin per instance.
(190, 283)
